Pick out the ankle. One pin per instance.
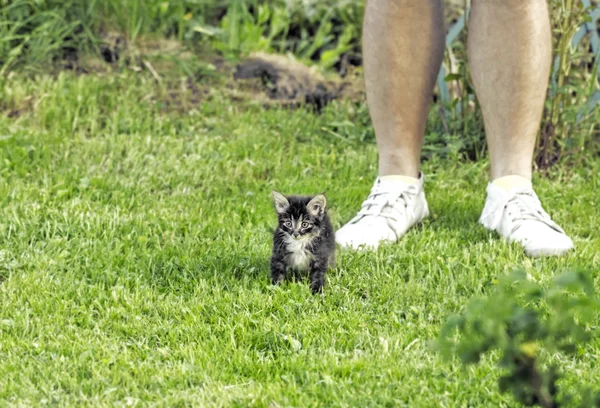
(403, 179)
(512, 182)
(398, 163)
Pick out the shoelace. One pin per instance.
(522, 205)
(381, 197)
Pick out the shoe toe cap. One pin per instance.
(354, 236)
(552, 244)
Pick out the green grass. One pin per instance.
(134, 248)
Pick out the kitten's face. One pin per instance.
(299, 217)
(297, 227)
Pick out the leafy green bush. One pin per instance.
(532, 328)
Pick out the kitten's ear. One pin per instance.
(316, 206)
(281, 203)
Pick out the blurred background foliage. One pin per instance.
(39, 35)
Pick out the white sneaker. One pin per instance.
(391, 209)
(517, 215)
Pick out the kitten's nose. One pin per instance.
(295, 234)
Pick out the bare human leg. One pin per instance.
(403, 47)
(510, 53)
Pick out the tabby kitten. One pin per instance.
(304, 240)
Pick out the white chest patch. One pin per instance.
(299, 257)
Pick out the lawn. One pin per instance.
(134, 248)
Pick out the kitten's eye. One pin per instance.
(305, 225)
(288, 224)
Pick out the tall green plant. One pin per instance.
(35, 33)
(566, 128)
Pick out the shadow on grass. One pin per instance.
(457, 218)
(170, 272)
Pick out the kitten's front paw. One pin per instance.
(316, 287)
(276, 280)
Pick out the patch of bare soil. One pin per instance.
(281, 80)
(272, 80)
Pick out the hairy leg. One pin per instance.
(510, 51)
(403, 47)
(510, 54)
